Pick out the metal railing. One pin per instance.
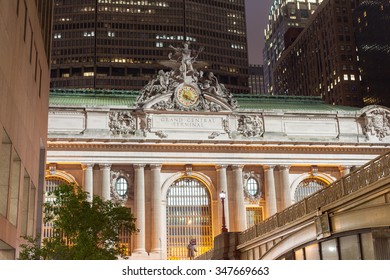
(367, 174)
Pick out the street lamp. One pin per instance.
(222, 196)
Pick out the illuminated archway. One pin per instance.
(188, 217)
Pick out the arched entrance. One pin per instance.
(189, 217)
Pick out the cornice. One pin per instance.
(215, 148)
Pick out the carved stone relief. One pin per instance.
(122, 123)
(377, 123)
(250, 126)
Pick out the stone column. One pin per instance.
(285, 186)
(139, 199)
(156, 209)
(270, 191)
(106, 192)
(222, 186)
(240, 211)
(344, 170)
(88, 180)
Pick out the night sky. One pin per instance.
(257, 17)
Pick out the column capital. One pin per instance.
(139, 166)
(85, 166)
(105, 166)
(237, 166)
(284, 167)
(268, 167)
(155, 166)
(220, 166)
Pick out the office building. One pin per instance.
(112, 44)
(256, 79)
(371, 21)
(25, 28)
(323, 60)
(287, 18)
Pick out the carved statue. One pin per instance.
(183, 55)
(185, 87)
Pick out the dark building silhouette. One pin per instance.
(372, 22)
(256, 79)
(286, 20)
(116, 44)
(323, 61)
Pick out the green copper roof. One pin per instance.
(88, 97)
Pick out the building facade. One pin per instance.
(25, 33)
(168, 151)
(109, 44)
(323, 60)
(371, 19)
(287, 18)
(256, 79)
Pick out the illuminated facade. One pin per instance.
(371, 19)
(25, 29)
(169, 164)
(323, 60)
(112, 44)
(287, 18)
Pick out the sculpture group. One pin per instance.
(185, 72)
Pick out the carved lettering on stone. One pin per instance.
(377, 123)
(250, 126)
(121, 123)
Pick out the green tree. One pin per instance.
(82, 230)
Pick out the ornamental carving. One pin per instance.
(250, 126)
(121, 123)
(185, 87)
(253, 186)
(377, 123)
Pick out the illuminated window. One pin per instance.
(254, 215)
(188, 217)
(252, 186)
(308, 187)
(121, 186)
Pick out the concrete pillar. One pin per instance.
(106, 189)
(222, 186)
(156, 209)
(285, 186)
(139, 199)
(240, 211)
(270, 191)
(88, 180)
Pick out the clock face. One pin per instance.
(187, 96)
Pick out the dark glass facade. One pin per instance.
(323, 60)
(372, 22)
(116, 44)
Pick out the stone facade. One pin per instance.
(276, 147)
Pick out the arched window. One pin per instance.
(188, 217)
(121, 186)
(309, 186)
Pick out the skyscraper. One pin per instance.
(287, 18)
(112, 44)
(372, 21)
(323, 60)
